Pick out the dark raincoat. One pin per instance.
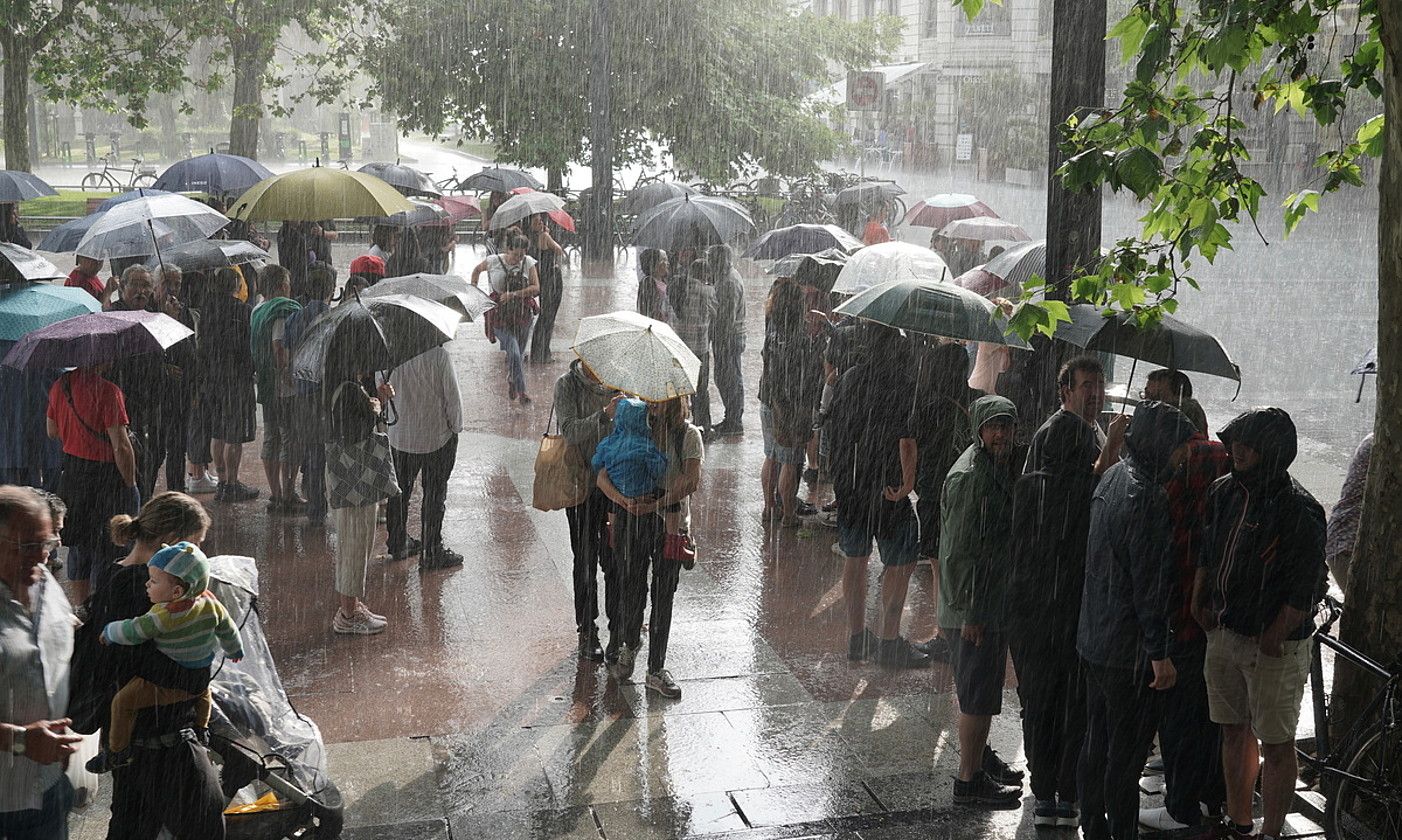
(1130, 575)
(1264, 547)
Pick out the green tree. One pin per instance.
(722, 85)
(1176, 143)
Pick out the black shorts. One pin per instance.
(231, 411)
(979, 671)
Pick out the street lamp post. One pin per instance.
(598, 230)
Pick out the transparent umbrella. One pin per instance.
(637, 355)
(130, 229)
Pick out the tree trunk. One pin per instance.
(1372, 622)
(555, 178)
(250, 61)
(598, 231)
(16, 103)
(171, 144)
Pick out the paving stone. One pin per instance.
(386, 781)
(494, 770)
(555, 824)
(789, 804)
(423, 830)
(669, 817)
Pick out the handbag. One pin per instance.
(562, 478)
(359, 473)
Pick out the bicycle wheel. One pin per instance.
(1374, 811)
(144, 181)
(96, 181)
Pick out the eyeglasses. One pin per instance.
(45, 546)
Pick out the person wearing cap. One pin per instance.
(368, 266)
(1123, 635)
(976, 515)
(188, 624)
(1261, 574)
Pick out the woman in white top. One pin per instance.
(514, 284)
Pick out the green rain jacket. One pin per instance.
(976, 516)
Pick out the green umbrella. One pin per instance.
(310, 195)
(932, 307)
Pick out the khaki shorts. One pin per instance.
(1246, 686)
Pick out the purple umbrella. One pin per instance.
(92, 339)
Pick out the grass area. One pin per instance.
(71, 203)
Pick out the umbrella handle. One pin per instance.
(154, 244)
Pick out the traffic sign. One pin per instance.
(865, 89)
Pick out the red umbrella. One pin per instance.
(979, 281)
(559, 217)
(939, 210)
(458, 207)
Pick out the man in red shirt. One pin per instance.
(88, 415)
(84, 276)
(876, 231)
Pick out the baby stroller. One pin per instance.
(274, 761)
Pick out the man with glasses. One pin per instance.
(36, 643)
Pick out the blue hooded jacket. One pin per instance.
(634, 463)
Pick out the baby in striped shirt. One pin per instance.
(187, 624)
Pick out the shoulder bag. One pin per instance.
(562, 478)
(359, 473)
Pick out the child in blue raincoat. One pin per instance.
(634, 463)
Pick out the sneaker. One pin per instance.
(828, 519)
(998, 770)
(362, 610)
(204, 484)
(440, 558)
(662, 683)
(622, 669)
(1067, 815)
(410, 549)
(861, 645)
(589, 646)
(359, 624)
(935, 648)
(805, 508)
(235, 491)
(1154, 766)
(1158, 819)
(837, 549)
(983, 792)
(899, 653)
(1044, 813)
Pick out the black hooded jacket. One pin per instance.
(1130, 572)
(1264, 545)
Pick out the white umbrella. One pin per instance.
(876, 264)
(525, 205)
(447, 289)
(984, 229)
(637, 355)
(130, 229)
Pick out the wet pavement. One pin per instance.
(471, 717)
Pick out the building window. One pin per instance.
(869, 9)
(995, 19)
(893, 8)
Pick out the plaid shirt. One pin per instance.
(1208, 460)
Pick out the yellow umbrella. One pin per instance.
(309, 195)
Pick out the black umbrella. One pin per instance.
(22, 186)
(499, 180)
(692, 221)
(648, 196)
(215, 174)
(65, 237)
(870, 191)
(801, 239)
(407, 180)
(377, 334)
(21, 265)
(819, 270)
(211, 254)
(424, 213)
(1169, 343)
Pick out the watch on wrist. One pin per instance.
(17, 740)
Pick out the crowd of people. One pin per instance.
(1146, 580)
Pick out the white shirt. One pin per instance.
(428, 401)
(35, 648)
(496, 271)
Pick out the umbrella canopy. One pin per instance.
(458, 207)
(495, 179)
(637, 355)
(213, 174)
(412, 325)
(21, 265)
(371, 335)
(528, 203)
(1169, 343)
(692, 220)
(877, 264)
(1368, 364)
(448, 289)
(423, 213)
(985, 229)
(29, 308)
(95, 338)
(819, 270)
(65, 238)
(129, 195)
(129, 229)
(310, 195)
(211, 254)
(932, 308)
(407, 180)
(21, 186)
(648, 196)
(801, 239)
(939, 210)
(869, 192)
(1010, 270)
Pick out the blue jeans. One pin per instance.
(49, 822)
(512, 341)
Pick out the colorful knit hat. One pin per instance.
(185, 561)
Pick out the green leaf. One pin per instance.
(1370, 137)
(1139, 169)
(1130, 32)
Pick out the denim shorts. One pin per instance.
(900, 548)
(781, 454)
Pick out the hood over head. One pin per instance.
(577, 370)
(1155, 430)
(1270, 432)
(631, 417)
(988, 407)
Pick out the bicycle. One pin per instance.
(141, 176)
(1362, 780)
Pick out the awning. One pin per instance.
(895, 74)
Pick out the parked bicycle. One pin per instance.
(1362, 779)
(141, 175)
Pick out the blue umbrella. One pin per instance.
(132, 195)
(28, 308)
(213, 174)
(21, 186)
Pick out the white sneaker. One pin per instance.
(1158, 819)
(208, 483)
(355, 625)
(362, 611)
